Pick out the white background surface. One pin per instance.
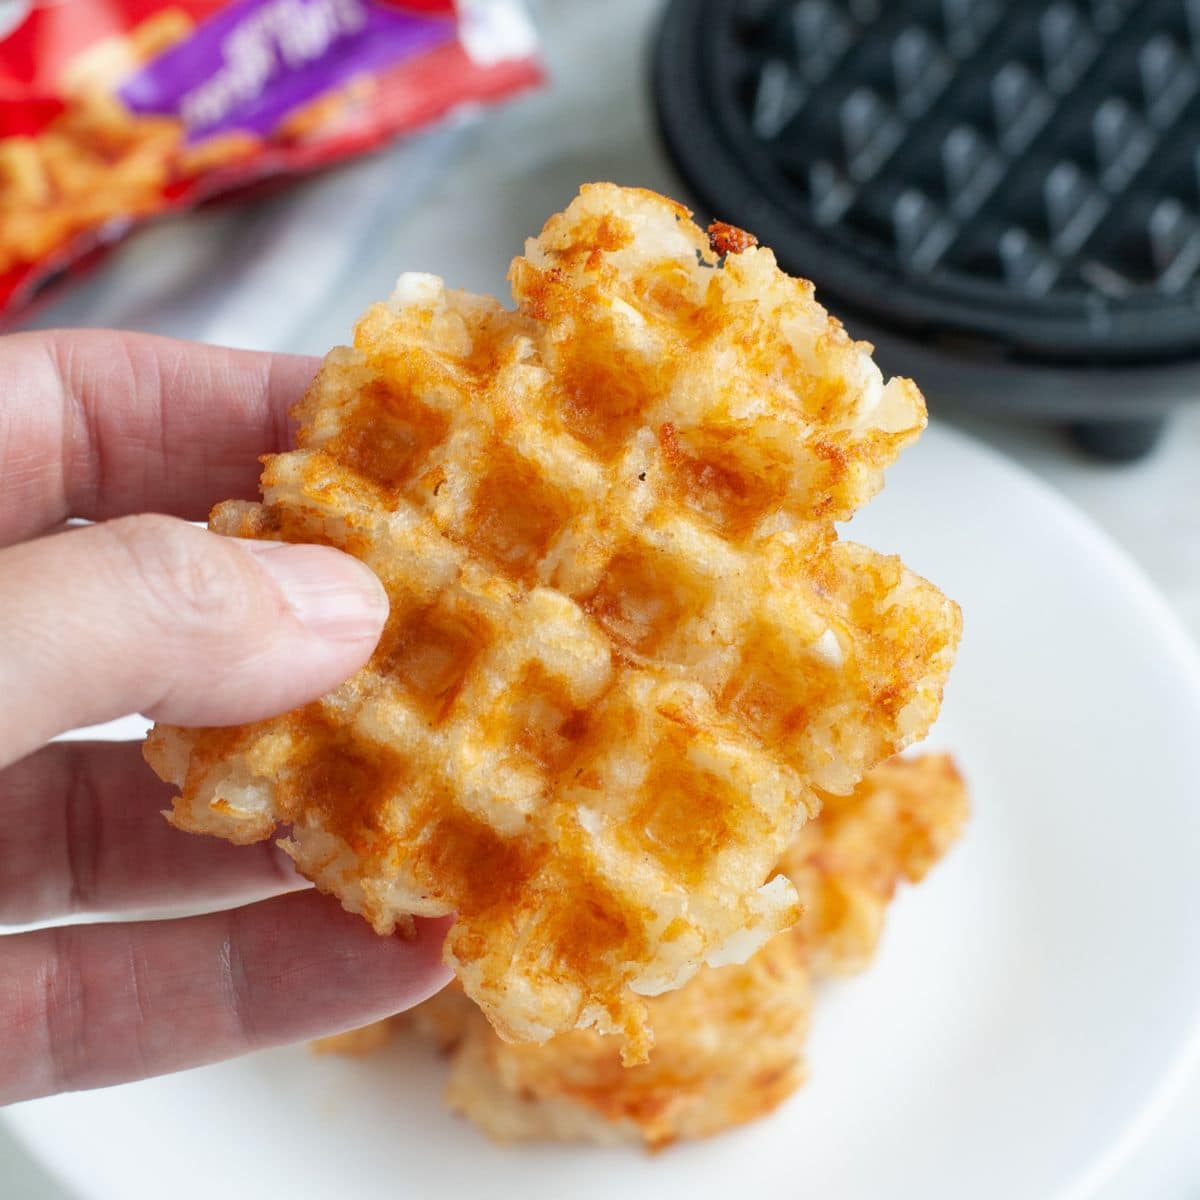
(458, 203)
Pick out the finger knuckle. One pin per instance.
(82, 835)
(184, 580)
(236, 985)
(63, 1004)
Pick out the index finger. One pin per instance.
(98, 424)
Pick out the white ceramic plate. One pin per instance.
(1031, 1007)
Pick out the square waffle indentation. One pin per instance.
(540, 721)
(459, 857)
(388, 436)
(601, 924)
(644, 598)
(714, 483)
(605, 385)
(429, 650)
(514, 515)
(345, 782)
(775, 690)
(686, 816)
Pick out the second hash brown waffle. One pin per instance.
(625, 646)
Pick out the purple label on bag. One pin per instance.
(251, 64)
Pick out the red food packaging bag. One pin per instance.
(113, 111)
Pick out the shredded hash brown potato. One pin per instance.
(728, 1044)
(97, 161)
(626, 648)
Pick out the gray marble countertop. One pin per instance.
(294, 272)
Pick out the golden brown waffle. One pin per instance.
(728, 1044)
(847, 865)
(625, 645)
(728, 1048)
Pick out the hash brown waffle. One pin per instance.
(625, 646)
(728, 1044)
(846, 865)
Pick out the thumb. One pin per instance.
(149, 614)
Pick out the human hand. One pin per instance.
(149, 614)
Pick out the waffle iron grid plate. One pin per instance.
(1003, 194)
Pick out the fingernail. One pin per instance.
(332, 594)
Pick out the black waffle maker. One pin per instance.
(1003, 195)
